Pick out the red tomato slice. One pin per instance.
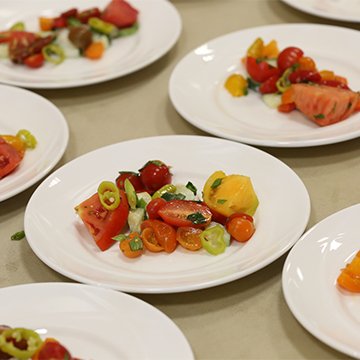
(164, 233)
(103, 224)
(269, 85)
(189, 237)
(185, 213)
(149, 239)
(260, 71)
(9, 158)
(120, 13)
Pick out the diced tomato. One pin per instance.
(120, 13)
(269, 85)
(69, 13)
(306, 63)
(334, 83)
(9, 158)
(349, 278)
(103, 224)
(34, 61)
(189, 237)
(185, 213)
(260, 70)
(21, 36)
(60, 22)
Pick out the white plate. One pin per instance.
(70, 250)
(93, 322)
(22, 109)
(160, 27)
(343, 10)
(309, 281)
(198, 94)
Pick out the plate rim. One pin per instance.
(306, 324)
(55, 159)
(246, 140)
(160, 289)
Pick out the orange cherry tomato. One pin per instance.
(149, 239)
(349, 278)
(165, 234)
(189, 237)
(240, 227)
(132, 246)
(16, 143)
(306, 63)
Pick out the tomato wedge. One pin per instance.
(9, 158)
(103, 224)
(189, 237)
(186, 213)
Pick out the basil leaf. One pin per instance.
(191, 187)
(136, 244)
(170, 196)
(196, 218)
(216, 183)
(18, 235)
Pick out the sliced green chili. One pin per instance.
(212, 240)
(53, 53)
(27, 138)
(168, 188)
(102, 27)
(127, 31)
(19, 26)
(109, 195)
(18, 235)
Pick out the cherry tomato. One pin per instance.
(307, 63)
(185, 213)
(301, 76)
(189, 237)
(269, 85)
(260, 70)
(133, 177)
(9, 158)
(155, 174)
(154, 206)
(149, 239)
(52, 349)
(165, 234)
(286, 108)
(334, 83)
(240, 215)
(217, 217)
(132, 245)
(69, 13)
(59, 22)
(240, 227)
(289, 57)
(34, 61)
(85, 15)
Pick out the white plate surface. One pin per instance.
(198, 94)
(22, 109)
(343, 10)
(71, 251)
(154, 38)
(93, 322)
(309, 281)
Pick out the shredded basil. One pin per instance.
(221, 201)
(197, 218)
(191, 187)
(171, 196)
(136, 244)
(18, 235)
(319, 116)
(253, 85)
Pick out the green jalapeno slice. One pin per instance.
(109, 195)
(212, 240)
(53, 53)
(27, 138)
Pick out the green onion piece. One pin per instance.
(27, 137)
(136, 244)
(168, 188)
(319, 116)
(19, 26)
(53, 53)
(191, 187)
(169, 196)
(130, 193)
(109, 195)
(73, 21)
(18, 235)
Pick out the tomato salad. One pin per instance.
(12, 150)
(290, 80)
(144, 211)
(73, 33)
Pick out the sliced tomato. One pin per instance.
(9, 158)
(103, 224)
(20, 36)
(189, 237)
(16, 143)
(325, 105)
(154, 206)
(34, 61)
(286, 108)
(186, 213)
(120, 13)
(260, 71)
(164, 233)
(301, 76)
(349, 278)
(85, 15)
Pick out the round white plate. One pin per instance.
(58, 237)
(343, 10)
(125, 55)
(198, 94)
(22, 109)
(93, 322)
(309, 281)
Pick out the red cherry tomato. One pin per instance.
(240, 228)
(260, 71)
(189, 237)
(289, 57)
(301, 76)
(52, 349)
(133, 177)
(155, 174)
(286, 108)
(240, 215)
(154, 206)
(9, 158)
(269, 85)
(334, 83)
(34, 61)
(185, 213)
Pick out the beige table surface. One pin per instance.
(245, 319)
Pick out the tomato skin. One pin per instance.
(119, 13)
(154, 175)
(349, 278)
(9, 158)
(103, 224)
(165, 234)
(154, 206)
(286, 108)
(260, 71)
(34, 61)
(52, 349)
(176, 212)
(240, 227)
(189, 237)
(149, 239)
(269, 85)
(85, 15)
(289, 57)
(133, 177)
(300, 76)
(126, 248)
(334, 83)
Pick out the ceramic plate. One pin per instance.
(123, 57)
(343, 10)
(93, 322)
(46, 122)
(71, 251)
(197, 86)
(309, 281)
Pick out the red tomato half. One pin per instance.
(269, 85)
(9, 158)
(52, 349)
(260, 71)
(154, 206)
(185, 213)
(34, 61)
(120, 13)
(289, 57)
(103, 224)
(189, 237)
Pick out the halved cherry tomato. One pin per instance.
(155, 174)
(154, 206)
(301, 76)
(34, 61)
(52, 349)
(85, 15)
(349, 278)
(240, 227)
(260, 70)
(286, 108)
(149, 239)
(289, 57)
(9, 158)
(306, 63)
(217, 217)
(185, 213)
(269, 85)
(132, 246)
(189, 237)
(69, 13)
(165, 234)
(21, 36)
(133, 177)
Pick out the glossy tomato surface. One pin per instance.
(154, 175)
(289, 57)
(9, 158)
(189, 237)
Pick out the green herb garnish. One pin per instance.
(18, 235)
(171, 196)
(136, 244)
(191, 187)
(216, 183)
(196, 218)
(319, 116)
